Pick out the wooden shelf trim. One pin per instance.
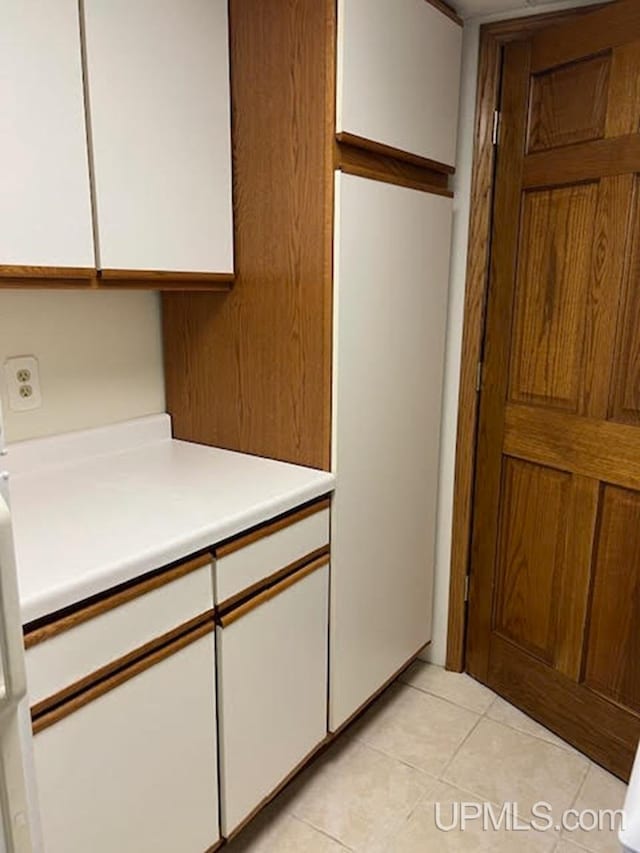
(395, 153)
(101, 674)
(447, 10)
(380, 167)
(271, 527)
(39, 723)
(262, 597)
(42, 630)
(57, 278)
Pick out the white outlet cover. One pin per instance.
(23, 383)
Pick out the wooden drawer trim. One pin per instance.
(110, 600)
(119, 663)
(49, 718)
(270, 580)
(271, 527)
(397, 153)
(262, 597)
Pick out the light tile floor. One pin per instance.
(435, 737)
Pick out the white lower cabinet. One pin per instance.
(134, 769)
(272, 689)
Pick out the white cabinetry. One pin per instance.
(399, 75)
(391, 279)
(45, 207)
(272, 685)
(134, 769)
(158, 86)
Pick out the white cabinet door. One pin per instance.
(158, 81)
(391, 279)
(272, 687)
(399, 75)
(135, 769)
(45, 201)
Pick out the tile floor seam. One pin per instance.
(402, 761)
(321, 831)
(441, 777)
(443, 699)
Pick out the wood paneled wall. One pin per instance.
(251, 370)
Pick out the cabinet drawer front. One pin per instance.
(272, 683)
(135, 769)
(67, 654)
(240, 567)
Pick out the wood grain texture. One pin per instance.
(530, 565)
(587, 161)
(609, 736)
(81, 699)
(57, 623)
(355, 141)
(162, 279)
(59, 278)
(606, 27)
(271, 527)
(595, 448)
(251, 370)
(623, 114)
(497, 346)
(552, 282)
(492, 38)
(368, 164)
(569, 104)
(613, 646)
(119, 663)
(241, 610)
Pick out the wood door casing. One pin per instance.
(555, 562)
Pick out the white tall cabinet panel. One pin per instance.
(158, 80)
(45, 201)
(135, 769)
(399, 75)
(391, 278)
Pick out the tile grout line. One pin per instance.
(321, 831)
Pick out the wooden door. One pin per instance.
(554, 618)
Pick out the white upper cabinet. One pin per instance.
(399, 75)
(45, 201)
(158, 89)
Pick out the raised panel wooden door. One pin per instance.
(554, 614)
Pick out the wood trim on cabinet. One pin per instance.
(19, 271)
(397, 153)
(266, 595)
(43, 629)
(108, 669)
(271, 527)
(81, 699)
(167, 280)
(492, 39)
(270, 580)
(447, 10)
(367, 164)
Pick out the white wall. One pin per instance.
(99, 353)
(436, 652)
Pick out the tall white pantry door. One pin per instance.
(392, 248)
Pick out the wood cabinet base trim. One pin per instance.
(129, 670)
(49, 626)
(272, 526)
(271, 580)
(397, 153)
(166, 280)
(267, 594)
(99, 675)
(62, 278)
(308, 759)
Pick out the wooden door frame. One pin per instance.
(493, 37)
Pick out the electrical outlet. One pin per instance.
(23, 383)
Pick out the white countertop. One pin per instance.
(97, 508)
